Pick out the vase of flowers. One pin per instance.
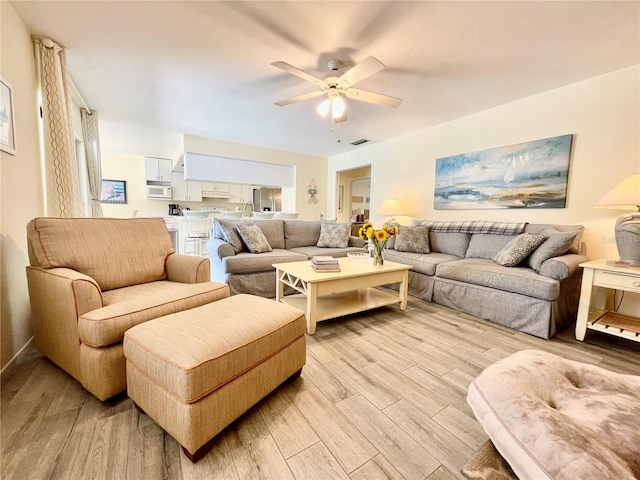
(378, 239)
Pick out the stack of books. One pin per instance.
(324, 263)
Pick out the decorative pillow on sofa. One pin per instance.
(556, 244)
(413, 239)
(229, 233)
(334, 235)
(518, 249)
(253, 238)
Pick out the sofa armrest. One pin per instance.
(220, 248)
(356, 242)
(58, 297)
(187, 269)
(563, 266)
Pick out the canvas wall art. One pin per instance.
(526, 175)
(114, 191)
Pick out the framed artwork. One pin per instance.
(114, 191)
(340, 198)
(7, 118)
(356, 199)
(526, 175)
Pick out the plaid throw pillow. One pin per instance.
(518, 249)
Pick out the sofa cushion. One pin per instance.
(413, 239)
(333, 252)
(245, 262)
(420, 262)
(551, 417)
(538, 228)
(518, 249)
(555, 245)
(451, 243)
(253, 238)
(334, 235)
(273, 231)
(487, 273)
(129, 306)
(114, 252)
(298, 233)
(486, 245)
(227, 230)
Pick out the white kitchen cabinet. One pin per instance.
(157, 169)
(241, 193)
(216, 187)
(185, 191)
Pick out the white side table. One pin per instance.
(592, 315)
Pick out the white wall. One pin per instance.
(307, 167)
(603, 113)
(21, 196)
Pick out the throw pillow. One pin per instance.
(334, 235)
(556, 244)
(253, 238)
(518, 249)
(229, 233)
(413, 239)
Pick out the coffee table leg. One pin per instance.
(312, 305)
(279, 287)
(404, 288)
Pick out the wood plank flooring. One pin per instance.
(382, 396)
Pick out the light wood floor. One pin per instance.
(382, 396)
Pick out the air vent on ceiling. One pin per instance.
(359, 142)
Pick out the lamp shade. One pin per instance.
(625, 196)
(390, 207)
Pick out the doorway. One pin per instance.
(354, 194)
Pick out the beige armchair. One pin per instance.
(91, 279)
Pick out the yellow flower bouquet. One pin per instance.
(377, 238)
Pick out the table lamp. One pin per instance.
(626, 196)
(390, 207)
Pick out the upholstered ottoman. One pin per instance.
(550, 417)
(196, 371)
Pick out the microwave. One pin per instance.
(158, 191)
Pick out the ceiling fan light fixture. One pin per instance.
(337, 107)
(324, 106)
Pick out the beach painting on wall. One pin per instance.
(527, 175)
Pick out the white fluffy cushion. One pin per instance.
(550, 417)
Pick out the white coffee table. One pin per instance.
(334, 294)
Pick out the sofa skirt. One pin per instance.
(261, 284)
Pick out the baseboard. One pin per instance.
(24, 347)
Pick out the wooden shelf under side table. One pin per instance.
(592, 316)
(334, 294)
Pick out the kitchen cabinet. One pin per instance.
(157, 169)
(185, 191)
(215, 187)
(241, 193)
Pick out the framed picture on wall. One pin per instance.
(7, 118)
(114, 191)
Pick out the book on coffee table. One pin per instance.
(323, 260)
(326, 267)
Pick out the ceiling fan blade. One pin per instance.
(299, 98)
(364, 69)
(298, 73)
(372, 97)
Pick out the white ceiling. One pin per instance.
(203, 68)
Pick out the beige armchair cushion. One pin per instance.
(93, 246)
(129, 306)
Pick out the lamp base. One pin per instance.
(628, 238)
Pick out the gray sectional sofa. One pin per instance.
(290, 240)
(460, 273)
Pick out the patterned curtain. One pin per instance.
(92, 155)
(61, 168)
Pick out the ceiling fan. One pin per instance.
(335, 82)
